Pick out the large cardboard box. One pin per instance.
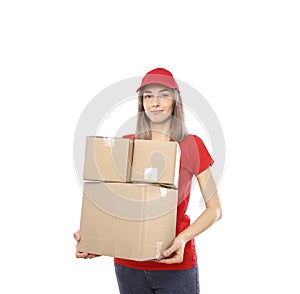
(125, 220)
(108, 159)
(156, 162)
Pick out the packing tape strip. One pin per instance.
(158, 249)
(150, 174)
(163, 192)
(109, 142)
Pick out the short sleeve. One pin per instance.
(202, 158)
(129, 136)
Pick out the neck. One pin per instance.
(161, 131)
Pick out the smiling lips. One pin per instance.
(156, 111)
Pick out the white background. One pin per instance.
(242, 56)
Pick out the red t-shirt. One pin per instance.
(194, 159)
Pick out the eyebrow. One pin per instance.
(148, 91)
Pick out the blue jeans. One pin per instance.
(134, 281)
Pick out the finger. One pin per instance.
(92, 255)
(77, 236)
(81, 254)
(175, 259)
(170, 250)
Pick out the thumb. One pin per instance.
(170, 250)
(76, 236)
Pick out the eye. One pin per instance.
(165, 95)
(147, 96)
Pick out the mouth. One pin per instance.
(156, 111)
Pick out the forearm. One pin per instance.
(212, 213)
(203, 222)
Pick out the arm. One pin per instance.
(212, 213)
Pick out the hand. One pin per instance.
(84, 255)
(174, 254)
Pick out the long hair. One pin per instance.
(178, 129)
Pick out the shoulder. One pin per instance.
(195, 147)
(191, 140)
(129, 136)
(188, 146)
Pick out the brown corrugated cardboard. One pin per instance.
(108, 159)
(156, 162)
(131, 221)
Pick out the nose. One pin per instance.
(155, 100)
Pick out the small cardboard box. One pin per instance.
(125, 220)
(107, 159)
(156, 162)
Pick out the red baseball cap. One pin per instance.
(159, 76)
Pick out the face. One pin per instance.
(158, 103)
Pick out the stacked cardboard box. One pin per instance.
(108, 159)
(130, 197)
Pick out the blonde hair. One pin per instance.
(178, 129)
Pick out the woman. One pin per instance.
(161, 117)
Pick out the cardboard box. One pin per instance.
(156, 162)
(131, 221)
(108, 159)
